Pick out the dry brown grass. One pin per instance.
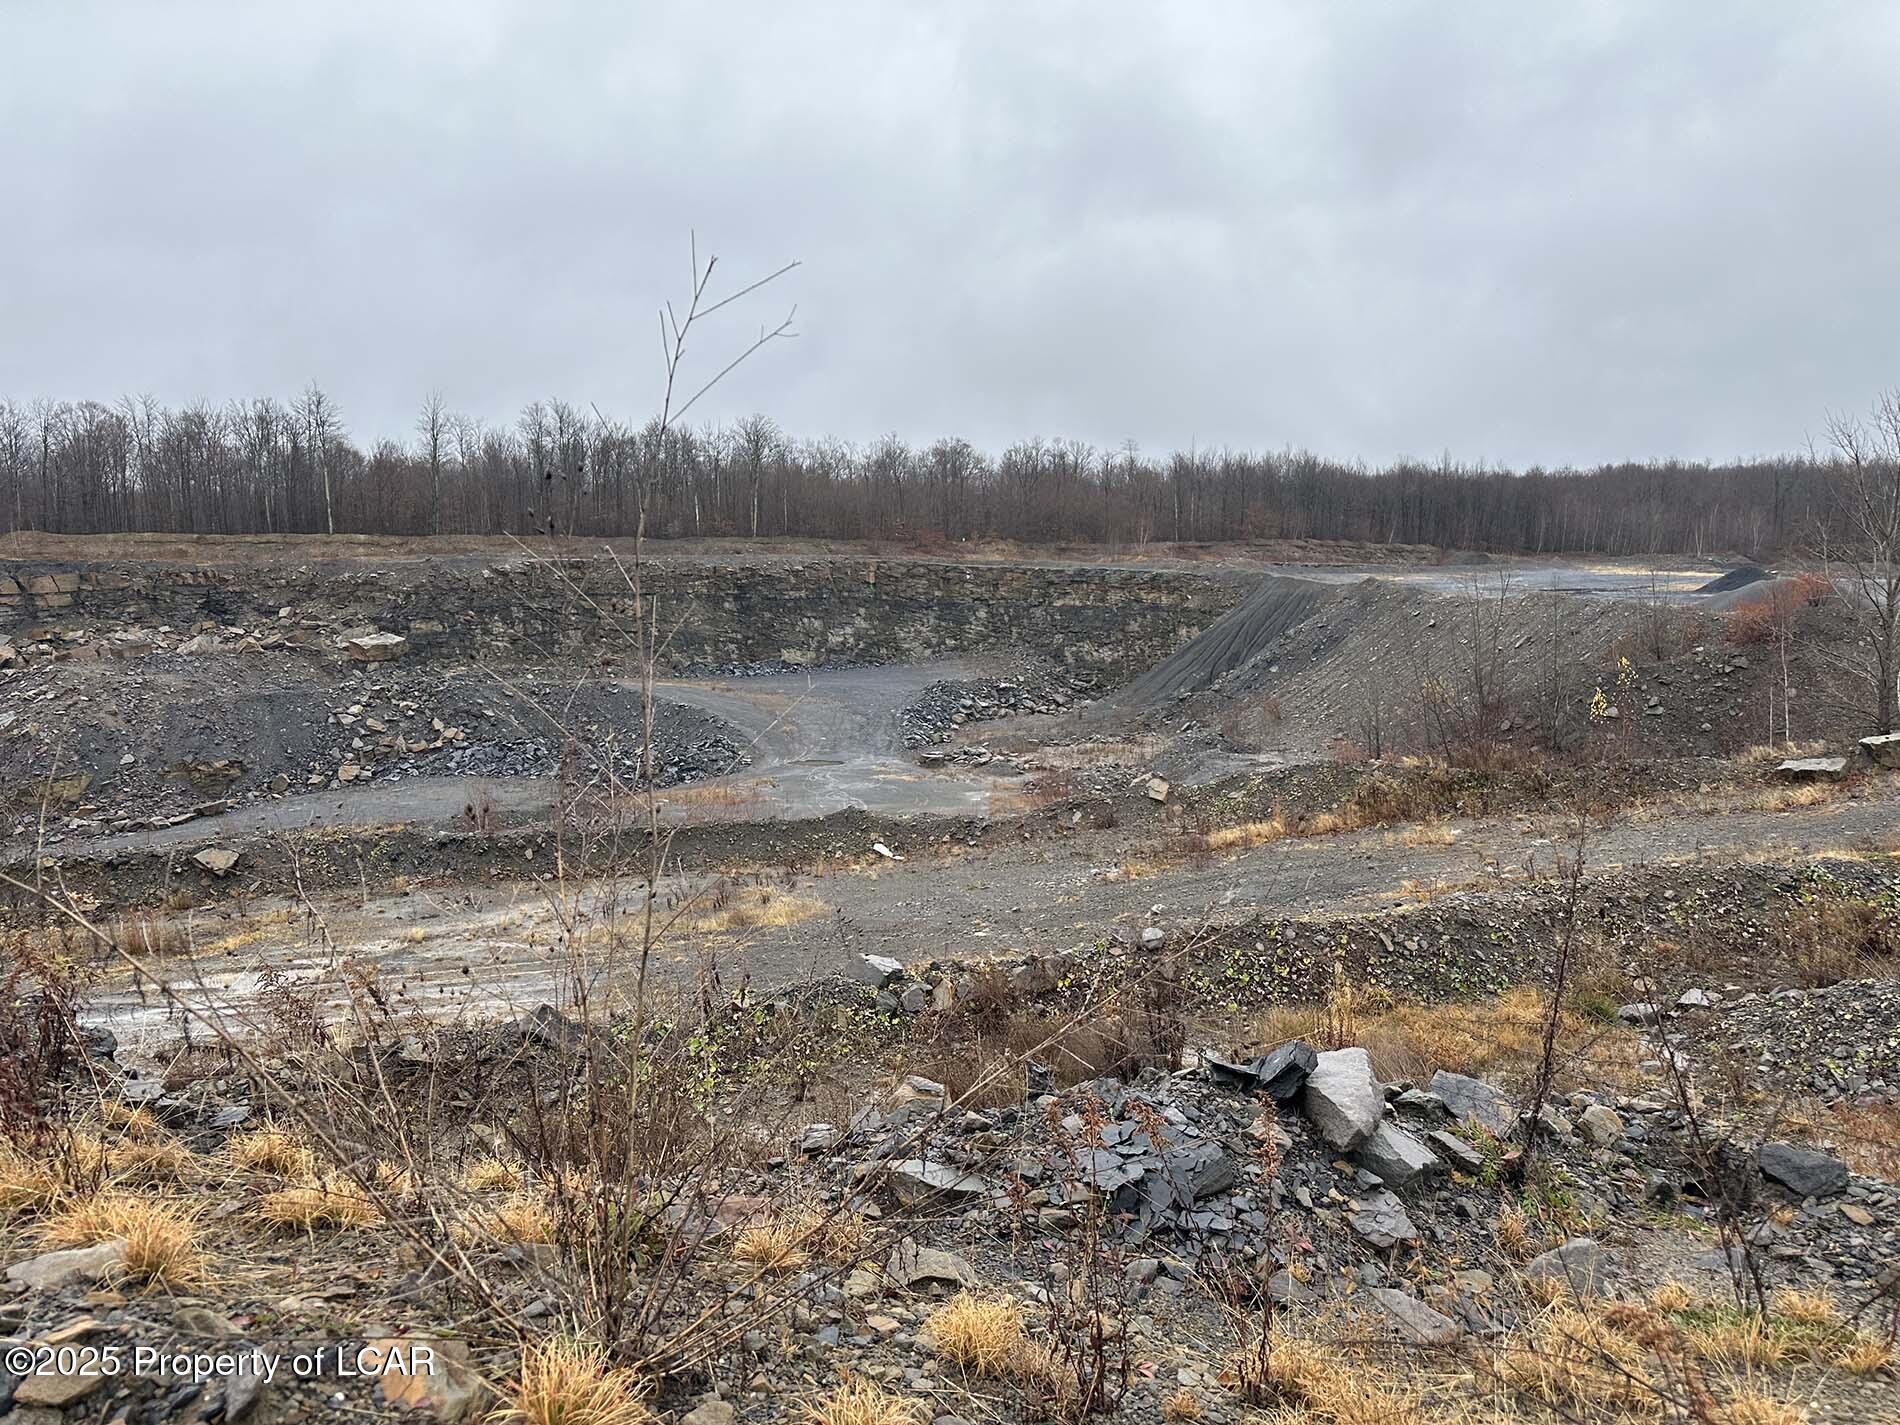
(759, 908)
(981, 1334)
(1340, 1390)
(151, 937)
(274, 1151)
(1806, 1308)
(776, 1245)
(1424, 833)
(711, 796)
(27, 1184)
(1498, 1037)
(568, 1382)
(1584, 1362)
(1751, 1407)
(1865, 1355)
(857, 1401)
(1182, 1408)
(518, 1218)
(792, 1238)
(309, 1206)
(1764, 754)
(150, 1162)
(491, 1175)
(1516, 1238)
(1246, 835)
(161, 1237)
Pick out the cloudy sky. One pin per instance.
(1519, 233)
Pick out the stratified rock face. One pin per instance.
(1343, 1098)
(1803, 1170)
(1109, 621)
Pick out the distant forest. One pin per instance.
(268, 466)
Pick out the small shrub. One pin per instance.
(1749, 623)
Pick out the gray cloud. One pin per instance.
(1524, 234)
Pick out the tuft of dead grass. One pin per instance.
(1182, 1408)
(275, 1151)
(982, 1334)
(776, 1245)
(1246, 835)
(567, 1382)
(1751, 1407)
(151, 1162)
(518, 1218)
(27, 1185)
(308, 1206)
(791, 1239)
(857, 1401)
(759, 909)
(161, 1237)
(491, 1175)
(1333, 1388)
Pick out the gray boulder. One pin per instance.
(917, 1182)
(916, 1268)
(1601, 1125)
(877, 971)
(1416, 1321)
(1812, 769)
(1380, 1218)
(1883, 749)
(1474, 1101)
(54, 1270)
(1578, 1263)
(1343, 1098)
(1460, 1154)
(1398, 1157)
(1803, 1170)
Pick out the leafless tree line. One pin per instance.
(270, 466)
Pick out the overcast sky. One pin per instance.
(1516, 232)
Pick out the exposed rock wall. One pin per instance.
(814, 612)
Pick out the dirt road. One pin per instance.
(491, 950)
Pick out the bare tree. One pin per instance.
(322, 428)
(433, 426)
(1864, 559)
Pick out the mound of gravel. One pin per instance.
(949, 703)
(1271, 611)
(1739, 578)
